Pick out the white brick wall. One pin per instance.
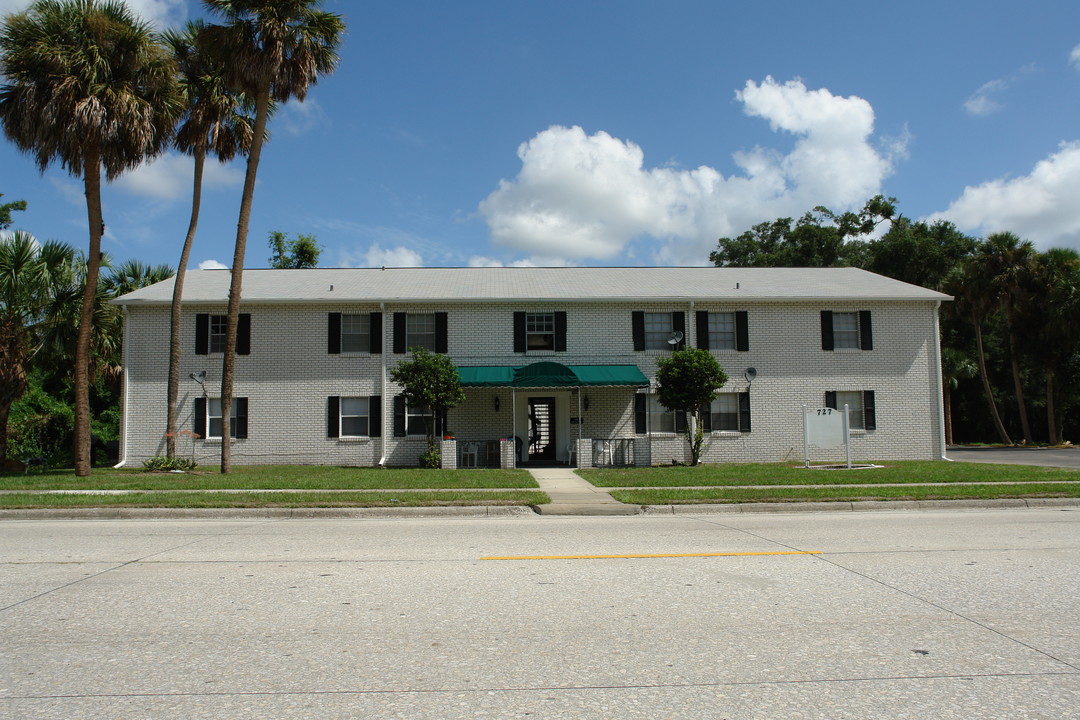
(289, 375)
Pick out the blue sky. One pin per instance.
(623, 133)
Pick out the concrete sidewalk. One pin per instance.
(571, 495)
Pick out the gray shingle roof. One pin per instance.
(574, 283)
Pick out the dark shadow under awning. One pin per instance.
(552, 374)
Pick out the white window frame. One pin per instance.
(344, 416)
(845, 325)
(661, 420)
(415, 337)
(215, 417)
(217, 334)
(539, 331)
(355, 332)
(415, 416)
(856, 412)
(725, 404)
(722, 331)
(658, 329)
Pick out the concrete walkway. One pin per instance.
(570, 495)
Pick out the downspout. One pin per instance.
(382, 390)
(123, 394)
(940, 382)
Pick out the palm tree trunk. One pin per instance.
(1051, 420)
(178, 295)
(986, 387)
(92, 184)
(1025, 426)
(5, 410)
(262, 111)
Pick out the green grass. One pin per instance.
(839, 493)
(930, 471)
(275, 500)
(272, 477)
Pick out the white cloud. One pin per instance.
(298, 117)
(589, 196)
(1074, 57)
(1040, 206)
(169, 177)
(212, 265)
(162, 13)
(376, 256)
(982, 101)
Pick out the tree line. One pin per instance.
(91, 87)
(1010, 338)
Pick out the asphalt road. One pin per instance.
(941, 614)
(1048, 457)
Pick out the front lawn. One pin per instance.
(929, 471)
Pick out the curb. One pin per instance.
(860, 506)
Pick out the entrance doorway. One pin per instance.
(541, 430)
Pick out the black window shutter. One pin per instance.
(830, 399)
(333, 335)
(869, 410)
(333, 425)
(742, 331)
(826, 330)
(243, 335)
(399, 332)
(519, 332)
(744, 412)
(866, 331)
(702, 330)
(678, 324)
(240, 429)
(560, 331)
(375, 416)
(375, 333)
(705, 416)
(399, 416)
(202, 334)
(199, 421)
(640, 413)
(441, 345)
(638, 320)
(680, 421)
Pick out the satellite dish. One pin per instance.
(750, 374)
(676, 338)
(199, 377)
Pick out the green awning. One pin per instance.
(552, 374)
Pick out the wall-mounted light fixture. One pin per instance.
(585, 402)
(496, 403)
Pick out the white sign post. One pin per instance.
(826, 428)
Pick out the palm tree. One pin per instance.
(31, 277)
(90, 86)
(955, 366)
(214, 122)
(977, 300)
(1008, 260)
(275, 50)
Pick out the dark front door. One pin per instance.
(542, 430)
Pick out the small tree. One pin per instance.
(293, 253)
(431, 381)
(689, 380)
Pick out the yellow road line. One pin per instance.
(660, 555)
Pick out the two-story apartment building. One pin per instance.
(558, 363)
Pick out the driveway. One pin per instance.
(945, 614)
(1048, 457)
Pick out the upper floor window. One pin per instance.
(211, 333)
(659, 330)
(354, 333)
(539, 331)
(723, 330)
(423, 330)
(846, 330)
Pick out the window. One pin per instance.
(846, 330)
(862, 407)
(661, 419)
(208, 420)
(658, 329)
(355, 333)
(211, 332)
(540, 331)
(425, 330)
(722, 331)
(724, 412)
(416, 420)
(354, 417)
